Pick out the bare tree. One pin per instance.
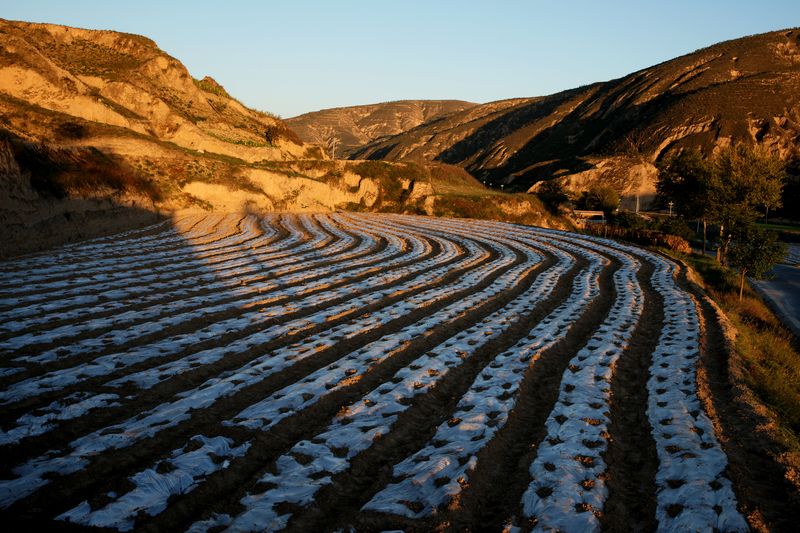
(635, 148)
(330, 141)
(326, 137)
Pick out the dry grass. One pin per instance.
(772, 362)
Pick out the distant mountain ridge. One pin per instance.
(359, 125)
(746, 89)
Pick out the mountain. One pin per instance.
(359, 125)
(614, 132)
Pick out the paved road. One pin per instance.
(783, 292)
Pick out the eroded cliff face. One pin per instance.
(742, 90)
(274, 191)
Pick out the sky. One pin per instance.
(297, 56)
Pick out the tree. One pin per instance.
(272, 134)
(331, 142)
(552, 194)
(754, 252)
(599, 198)
(743, 180)
(685, 179)
(726, 190)
(326, 137)
(635, 148)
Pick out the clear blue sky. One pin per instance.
(295, 56)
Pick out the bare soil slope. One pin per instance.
(125, 80)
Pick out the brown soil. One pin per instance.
(415, 427)
(631, 454)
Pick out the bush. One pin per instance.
(644, 237)
(210, 85)
(675, 226)
(628, 220)
(599, 198)
(552, 194)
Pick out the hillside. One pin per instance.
(126, 81)
(359, 125)
(100, 127)
(744, 89)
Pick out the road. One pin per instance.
(783, 292)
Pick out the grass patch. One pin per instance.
(771, 361)
(241, 142)
(209, 85)
(467, 206)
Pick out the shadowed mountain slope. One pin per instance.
(745, 89)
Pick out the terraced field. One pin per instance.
(316, 372)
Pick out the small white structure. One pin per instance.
(590, 217)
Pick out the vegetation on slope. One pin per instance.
(768, 349)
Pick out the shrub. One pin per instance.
(599, 198)
(643, 237)
(552, 194)
(274, 132)
(628, 220)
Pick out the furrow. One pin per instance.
(179, 411)
(236, 277)
(104, 334)
(174, 271)
(409, 381)
(318, 313)
(631, 455)
(39, 279)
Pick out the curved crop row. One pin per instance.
(327, 371)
